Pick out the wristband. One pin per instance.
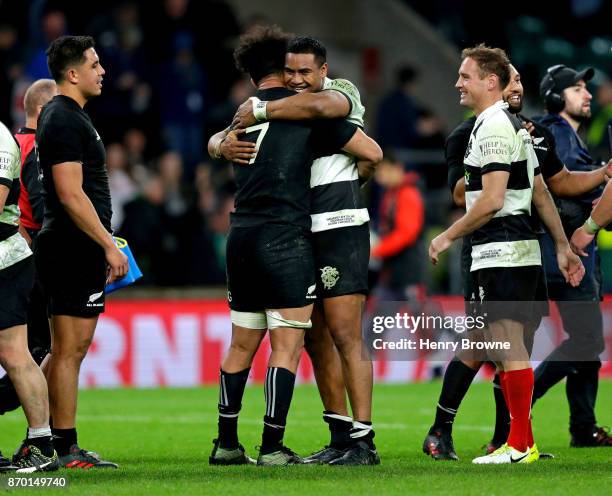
(591, 226)
(259, 109)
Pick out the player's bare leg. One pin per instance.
(326, 364)
(71, 337)
(26, 376)
(343, 315)
(245, 343)
(36, 452)
(286, 328)
(330, 382)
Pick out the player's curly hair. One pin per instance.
(262, 51)
(490, 61)
(67, 51)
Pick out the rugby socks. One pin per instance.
(278, 390)
(502, 415)
(362, 431)
(41, 438)
(457, 380)
(340, 428)
(63, 439)
(518, 385)
(231, 390)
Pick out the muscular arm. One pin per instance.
(68, 180)
(367, 152)
(572, 183)
(327, 104)
(489, 202)
(322, 105)
(459, 193)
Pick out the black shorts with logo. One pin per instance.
(269, 267)
(515, 293)
(341, 258)
(72, 270)
(16, 282)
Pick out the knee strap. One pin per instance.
(275, 320)
(250, 320)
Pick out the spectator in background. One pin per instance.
(43, 32)
(182, 99)
(135, 146)
(127, 95)
(212, 41)
(178, 224)
(122, 186)
(142, 226)
(223, 113)
(401, 220)
(398, 113)
(170, 167)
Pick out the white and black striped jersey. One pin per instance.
(13, 247)
(499, 142)
(334, 182)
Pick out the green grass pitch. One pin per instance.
(162, 439)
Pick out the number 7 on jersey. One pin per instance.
(263, 129)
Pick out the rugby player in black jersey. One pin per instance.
(76, 254)
(270, 265)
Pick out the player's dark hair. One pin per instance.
(67, 51)
(306, 44)
(490, 61)
(262, 51)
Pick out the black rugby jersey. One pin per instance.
(275, 186)
(65, 133)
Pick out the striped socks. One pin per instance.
(457, 380)
(231, 390)
(278, 390)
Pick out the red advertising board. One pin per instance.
(150, 343)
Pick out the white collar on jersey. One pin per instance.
(498, 105)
